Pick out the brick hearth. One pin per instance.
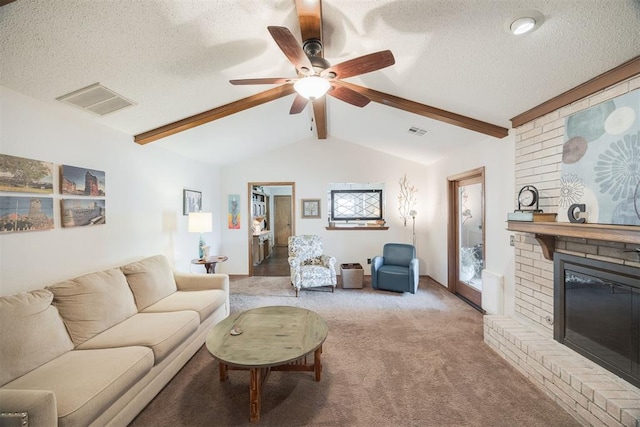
(590, 393)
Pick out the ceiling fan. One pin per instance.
(316, 76)
(311, 66)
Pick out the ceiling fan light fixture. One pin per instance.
(312, 87)
(522, 25)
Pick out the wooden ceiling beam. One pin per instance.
(604, 80)
(214, 114)
(310, 19)
(428, 111)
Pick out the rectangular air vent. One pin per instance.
(96, 99)
(417, 131)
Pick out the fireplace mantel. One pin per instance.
(546, 233)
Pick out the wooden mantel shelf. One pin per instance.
(546, 233)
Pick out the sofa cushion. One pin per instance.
(203, 302)
(150, 279)
(31, 333)
(93, 303)
(161, 332)
(87, 382)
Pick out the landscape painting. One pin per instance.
(22, 175)
(25, 214)
(82, 212)
(78, 181)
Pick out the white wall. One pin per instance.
(312, 165)
(144, 197)
(496, 155)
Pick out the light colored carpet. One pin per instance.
(389, 360)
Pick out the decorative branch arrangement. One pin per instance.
(406, 199)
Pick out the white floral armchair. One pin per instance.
(309, 266)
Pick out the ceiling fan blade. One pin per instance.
(428, 111)
(290, 47)
(298, 104)
(263, 81)
(310, 19)
(214, 114)
(362, 64)
(320, 116)
(349, 96)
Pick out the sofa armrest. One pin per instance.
(40, 406)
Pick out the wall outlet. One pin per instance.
(512, 240)
(368, 260)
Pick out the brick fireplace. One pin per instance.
(589, 392)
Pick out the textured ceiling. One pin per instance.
(174, 59)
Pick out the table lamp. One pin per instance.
(200, 222)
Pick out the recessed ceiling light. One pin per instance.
(522, 25)
(524, 21)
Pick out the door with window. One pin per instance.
(466, 248)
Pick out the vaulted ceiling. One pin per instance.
(174, 59)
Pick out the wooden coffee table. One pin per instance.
(276, 338)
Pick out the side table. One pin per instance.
(210, 262)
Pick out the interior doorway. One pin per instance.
(270, 223)
(466, 237)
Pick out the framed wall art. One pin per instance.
(25, 214)
(234, 212)
(310, 208)
(22, 175)
(600, 159)
(83, 212)
(191, 201)
(76, 181)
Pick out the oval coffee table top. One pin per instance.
(270, 336)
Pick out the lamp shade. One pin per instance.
(200, 222)
(312, 87)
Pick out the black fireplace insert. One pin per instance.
(597, 312)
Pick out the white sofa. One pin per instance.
(96, 349)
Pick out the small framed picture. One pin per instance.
(310, 208)
(191, 201)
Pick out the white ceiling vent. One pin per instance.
(417, 131)
(96, 99)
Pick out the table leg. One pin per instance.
(317, 364)
(223, 372)
(211, 267)
(257, 380)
